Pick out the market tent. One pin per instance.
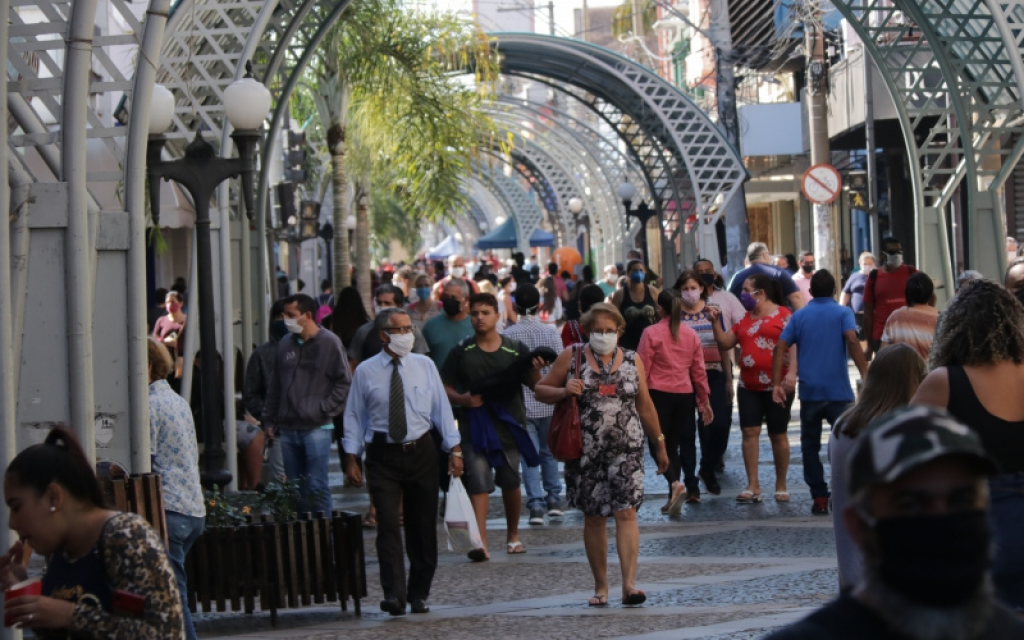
(446, 248)
(505, 237)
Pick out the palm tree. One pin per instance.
(392, 105)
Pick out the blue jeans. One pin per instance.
(182, 532)
(1007, 495)
(307, 458)
(812, 413)
(536, 498)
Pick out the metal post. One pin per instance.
(135, 193)
(227, 330)
(825, 248)
(551, 17)
(872, 148)
(77, 247)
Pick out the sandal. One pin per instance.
(599, 600)
(781, 496)
(749, 497)
(370, 522)
(478, 555)
(515, 548)
(633, 597)
(675, 504)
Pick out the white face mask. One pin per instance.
(458, 272)
(604, 343)
(894, 260)
(401, 344)
(293, 325)
(512, 287)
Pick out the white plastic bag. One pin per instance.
(460, 519)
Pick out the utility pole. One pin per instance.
(824, 217)
(585, 22)
(872, 165)
(737, 231)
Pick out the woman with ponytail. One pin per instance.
(670, 348)
(107, 575)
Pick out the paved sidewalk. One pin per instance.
(719, 571)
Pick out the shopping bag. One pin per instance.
(460, 519)
(565, 436)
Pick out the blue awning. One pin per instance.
(505, 237)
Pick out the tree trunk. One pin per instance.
(363, 282)
(339, 185)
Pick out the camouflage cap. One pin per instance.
(898, 442)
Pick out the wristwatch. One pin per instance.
(661, 437)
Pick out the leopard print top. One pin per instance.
(136, 562)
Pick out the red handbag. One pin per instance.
(565, 436)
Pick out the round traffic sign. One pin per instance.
(821, 184)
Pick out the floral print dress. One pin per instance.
(609, 477)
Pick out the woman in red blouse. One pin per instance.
(756, 335)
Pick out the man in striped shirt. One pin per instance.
(915, 323)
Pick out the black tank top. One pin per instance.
(1002, 439)
(638, 315)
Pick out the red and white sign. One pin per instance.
(821, 184)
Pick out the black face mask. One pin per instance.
(808, 268)
(278, 330)
(707, 279)
(451, 306)
(935, 560)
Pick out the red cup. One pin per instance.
(32, 587)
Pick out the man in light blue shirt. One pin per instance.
(823, 333)
(395, 400)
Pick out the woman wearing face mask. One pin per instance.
(93, 554)
(506, 303)
(977, 373)
(714, 434)
(615, 412)
(636, 304)
(756, 335)
(892, 379)
(425, 306)
(678, 385)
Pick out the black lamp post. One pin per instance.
(201, 172)
(643, 213)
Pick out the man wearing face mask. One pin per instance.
(258, 374)
(919, 512)
(456, 271)
(308, 389)
(760, 258)
(445, 331)
(884, 292)
(802, 278)
(396, 399)
(366, 341)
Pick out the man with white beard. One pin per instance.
(919, 513)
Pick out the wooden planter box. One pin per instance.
(313, 560)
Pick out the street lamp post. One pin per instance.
(247, 103)
(643, 213)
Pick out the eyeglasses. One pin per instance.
(401, 330)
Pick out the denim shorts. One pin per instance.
(481, 477)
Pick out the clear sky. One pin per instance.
(563, 10)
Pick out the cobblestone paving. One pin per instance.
(720, 571)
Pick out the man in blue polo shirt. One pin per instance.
(822, 331)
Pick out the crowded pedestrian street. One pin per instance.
(720, 571)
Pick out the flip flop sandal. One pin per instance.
(478, 555)
(369, 522)
(633, 598)
(749, 497)
(599, 600)
(515, 548)
(781, 496)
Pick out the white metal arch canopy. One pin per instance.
(687, 160)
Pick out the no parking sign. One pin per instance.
(821, 184)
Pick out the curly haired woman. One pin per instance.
(977, 363)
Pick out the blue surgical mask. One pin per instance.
(636, 277)
(423, 293)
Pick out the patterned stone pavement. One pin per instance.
(719, 571)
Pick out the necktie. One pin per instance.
(397, 427)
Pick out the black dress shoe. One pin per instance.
(392, 606)
(419, 605)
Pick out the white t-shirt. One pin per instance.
(732, 309)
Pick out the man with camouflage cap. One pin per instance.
(919, 513)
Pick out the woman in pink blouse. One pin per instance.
(677, 382)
